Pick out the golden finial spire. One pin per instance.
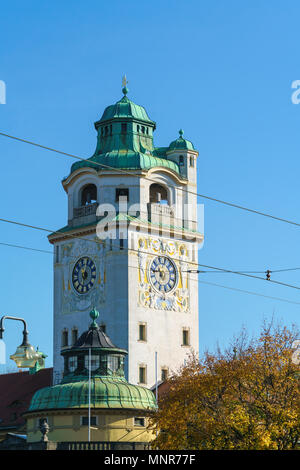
(124, 85)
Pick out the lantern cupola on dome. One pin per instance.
(94, 352)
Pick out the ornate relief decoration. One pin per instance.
(83, 275)
(162, 275)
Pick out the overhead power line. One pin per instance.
(196, 280)
(241, 271)
(145, 252)
(104, 166)
(200, 272)
(249, 292)
(26, 248)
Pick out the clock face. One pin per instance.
(84, 275)
(163, 274)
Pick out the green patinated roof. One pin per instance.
(125, 109)
(128, 218)
(130, 148)
(181, 143)
(125, 159)
(109, 388)
(106, 393)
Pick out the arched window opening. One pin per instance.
(158, 194)
(64, 338)
(181, 160)
(74, 335)
(89, 195)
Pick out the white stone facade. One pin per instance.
(123, 292)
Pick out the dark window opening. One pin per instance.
(106, 130)
(123, 128)
(89, 195)
(74, 335)
(64, 339)
(122, 192)
(143, 129)
(85, 420)
(158, 194)
(142, 375)
(164, 374)
(110, 129)
(142, 332)
(138, 128)
(181, 160)
(139, 422)
(185, 338)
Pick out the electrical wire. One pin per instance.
(249, 292)
(196, 280)
(198, 271)
(118, 170)
(145, 252)
(26, 248)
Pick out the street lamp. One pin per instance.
(25, 355)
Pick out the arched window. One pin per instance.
(158, 194)
(74, 335)
(64, 338)
(181, 160)
(89, 195)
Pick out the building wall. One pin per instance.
(119, 290)
(111, 427)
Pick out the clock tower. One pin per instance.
(129, 244)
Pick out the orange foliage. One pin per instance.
(245, 398)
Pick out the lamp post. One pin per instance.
(25, 355)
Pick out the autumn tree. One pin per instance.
(247, 397)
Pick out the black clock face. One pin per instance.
(84, 275)
(163, 274)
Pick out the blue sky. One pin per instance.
(222, 71)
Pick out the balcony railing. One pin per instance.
(103, 445)
(83, 211)
(161, 210)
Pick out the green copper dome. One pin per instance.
(126, 160)
(125, 141)
(105, 366)
(181, 143)
(105, 393)
(125, 109)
